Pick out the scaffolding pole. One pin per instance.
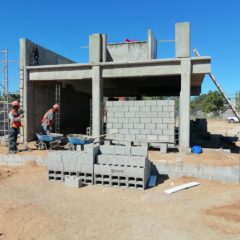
(4, 95)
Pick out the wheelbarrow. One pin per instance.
(48, 141)
(78, 139)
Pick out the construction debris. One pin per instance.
(181, 187)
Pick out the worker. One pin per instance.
(15, 123)
(48, 119)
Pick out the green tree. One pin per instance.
(212, 102)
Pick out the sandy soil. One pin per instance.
(34, 208)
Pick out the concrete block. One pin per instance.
(162, 103)
(134, 109)
(128, 125)
(118, 115)
(161, 126)
(117, 125)
(151, 103)
(163, 114)
(123, 120)
(141, 137)
(152, 137)
(112, 120)
(124, 131)
(138, 125)
(134, 131)
(139, 161)
(110, 114)
(150, 126)
(123, 109)
(139, 103)
(145, 120)
(139, 151)
(73, 181)
(130, 114)
(109, 104)
(145, 109)
(130, 137)
(168, 120)
(84, 168)
(104, 159)
(168, 132)
(157, 109)
(171, 102)
(109, 125)
(107, 149)
(163, 138)
(145, 131)
(129, 103)
(156, 120)
(171, 126)
(134, 120)
(168, 108)
(156, 132)
(163, 148)
(122, 150)
(142, 114)
(172, 114)
(153, 114)
(135, 172)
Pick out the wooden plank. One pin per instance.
(181, 187)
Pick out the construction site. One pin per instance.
(126, 158)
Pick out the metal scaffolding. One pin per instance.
(57, 100)
(4, 95)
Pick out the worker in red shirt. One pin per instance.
(15, 123)
(48, 119)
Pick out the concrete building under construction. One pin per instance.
(121, 69)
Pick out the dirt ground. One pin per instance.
(34, 208)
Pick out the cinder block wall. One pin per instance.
(151, 120)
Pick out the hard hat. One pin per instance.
(15, 103)
(56, 106)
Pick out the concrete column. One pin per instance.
(95, 44)
(104, 47)
(184, 127)
(182, 37)
(26, 91)
(152, 45)
(97, 101)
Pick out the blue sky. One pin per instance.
(64, 27)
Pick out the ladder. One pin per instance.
(57, 101)
(219, 88)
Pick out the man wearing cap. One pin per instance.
(15, 123)
(48, 119)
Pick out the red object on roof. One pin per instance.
(129, 41)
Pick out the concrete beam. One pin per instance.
(184, 128)
(97, 101)
(149, 68)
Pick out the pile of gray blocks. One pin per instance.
(122, 166)
(150, 121)
(72, 163)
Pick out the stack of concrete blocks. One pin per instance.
(62, 164)
(141, 122)
(122, 166)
